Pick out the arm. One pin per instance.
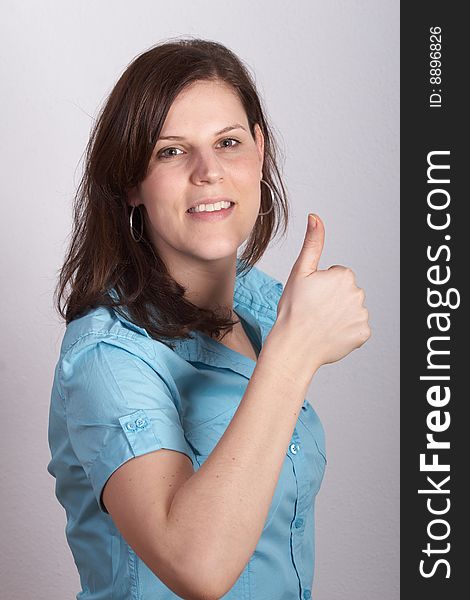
(219, 513)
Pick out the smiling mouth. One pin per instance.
(209, 208)
(211, 216)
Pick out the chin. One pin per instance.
(225, 253)
(217, 249)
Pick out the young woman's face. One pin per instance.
(204, 165)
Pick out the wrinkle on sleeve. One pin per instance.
(117, 407)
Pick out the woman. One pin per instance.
(185, 454)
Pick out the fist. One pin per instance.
(322, 312)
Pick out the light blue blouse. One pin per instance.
(118, 393)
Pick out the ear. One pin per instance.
(259, 140)
(133, 196)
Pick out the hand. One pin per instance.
(321, 312)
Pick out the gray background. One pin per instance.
(329, 75)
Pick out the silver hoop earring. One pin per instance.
(272, 199)
(131, 217)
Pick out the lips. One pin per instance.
(212, 216)
(209, 201)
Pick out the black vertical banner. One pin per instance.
(434, 256)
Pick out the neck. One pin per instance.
(208, 284)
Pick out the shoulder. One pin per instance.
(103, 334)
(103, 350)
(98, 323)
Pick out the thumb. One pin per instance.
(310, 254)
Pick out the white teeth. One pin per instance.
(211, 207)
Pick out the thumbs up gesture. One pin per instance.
(321, 313)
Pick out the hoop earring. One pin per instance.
(272, 199)
(131, 216)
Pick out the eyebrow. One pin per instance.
(224, 130)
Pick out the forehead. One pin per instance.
(203, 103)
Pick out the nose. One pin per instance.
(207, 168)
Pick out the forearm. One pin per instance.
(218, 514)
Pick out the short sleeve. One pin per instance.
(117, 407)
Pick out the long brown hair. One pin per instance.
(102, 255)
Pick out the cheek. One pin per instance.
(160, 195)
(157, 188)
(248, 167)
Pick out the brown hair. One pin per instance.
(102, 254)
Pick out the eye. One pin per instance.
(162, 154)
(230, 140)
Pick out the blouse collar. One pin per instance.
(255, 299)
